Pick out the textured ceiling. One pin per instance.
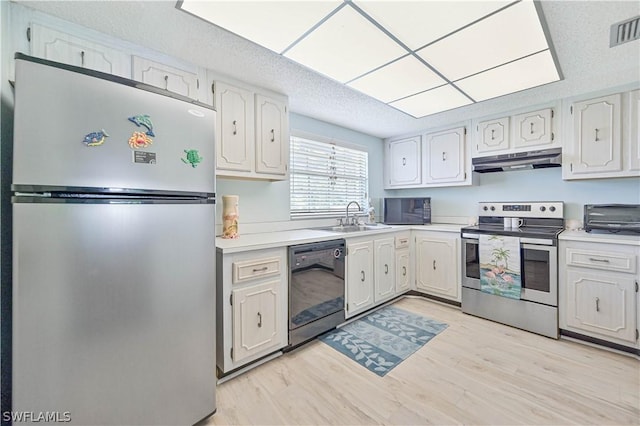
(579, 31)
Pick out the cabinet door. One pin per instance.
(359, 276)
(60, 47)
(533, 129)
(256, 321)
(436, 266)
(234, 128)
(175, 80)
(634, 130)
(445, 156)
(272, 136)
(601, 302)
(403, 279)
(404, 162)
(385, 269)
(596, 136)
(493, 135)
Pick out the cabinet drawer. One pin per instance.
(621, 262)
(402, 241)
(255, 268)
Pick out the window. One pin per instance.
(325, 177)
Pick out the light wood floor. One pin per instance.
(474, 372)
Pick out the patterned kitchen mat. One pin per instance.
(383, 339)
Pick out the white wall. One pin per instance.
(266, 202)
(528, 185)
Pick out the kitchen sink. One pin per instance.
(351, 228)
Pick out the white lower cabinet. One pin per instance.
(251, 315)
(359, 276)
(437, 261)
(385, 269)
(598, 291)
(371, 272)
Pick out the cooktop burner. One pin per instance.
(539, 219)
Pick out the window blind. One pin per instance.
(325, 177)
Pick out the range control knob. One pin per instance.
(492, 208)
(553, 209)
(542, 208)
(485, 208)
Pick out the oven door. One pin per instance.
(539, 268)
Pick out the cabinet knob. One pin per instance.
(444, 156)
(259, 320)
(531, 128)
(597, 304)
(235, 128)
(362, 276)
(273, 135)
(434, 265)
(386, 269)
(404, 161)
(597, 139)
(493, 134)
(404, 271)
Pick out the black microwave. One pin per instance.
(407, 211)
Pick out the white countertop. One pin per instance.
(590, 237)
(266, 240)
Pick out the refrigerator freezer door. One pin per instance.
(114, 312)
(55, 109)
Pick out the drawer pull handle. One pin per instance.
(404, 271)
(597, 304)
(386, 269)
(263, 269)
(259, 320)
(593, 259)
(362, 276)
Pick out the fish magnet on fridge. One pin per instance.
(143, 120)
(95, 138)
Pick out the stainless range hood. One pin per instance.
(518, 161)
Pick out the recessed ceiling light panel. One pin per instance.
(522, 74)
(417, 23)
(345, 46)
(401, 78)
(433, 101)
(510, 34)
(272, 24)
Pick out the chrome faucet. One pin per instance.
(353, 221)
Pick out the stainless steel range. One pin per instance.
(532, 228)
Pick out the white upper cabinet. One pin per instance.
(492, 135)
(518, 132)
(445, 156)
(633, 138)
(175, 80)
(437, 158)
(602, 137)
(403, 162)
(234, 128)
(272, 136)
(57, 46)
(532, 129)
(252, 133)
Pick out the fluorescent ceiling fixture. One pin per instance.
(345, 46)
(272, 24)
(511, 34)
(418, 56)
(417, 23)
(432, 101)
(397, 80)
(528, 72)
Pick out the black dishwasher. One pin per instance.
(316, 289)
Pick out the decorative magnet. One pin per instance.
(144, 121)
(139, 140)
(192, 157)
(95, 138)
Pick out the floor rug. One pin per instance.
(383, 339)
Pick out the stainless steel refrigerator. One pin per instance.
(113, 250)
